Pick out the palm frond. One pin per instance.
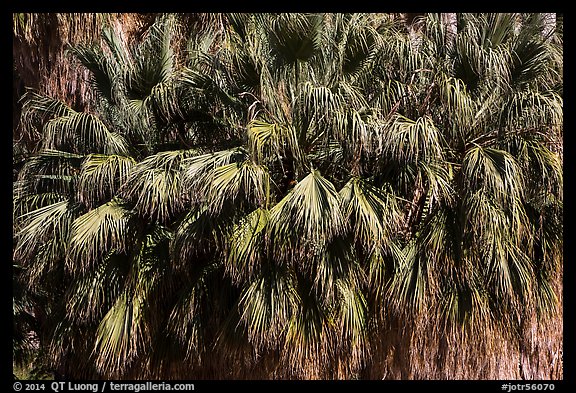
(353, 313)
(542, 168)
(407, 140)
(101, 176)
(185, 321)
(374, 214)
(92, 294)
(82, 133)
(295, 37)
(307, 337)
(37, 109)
(266, 306)
(245, 182)
(49, 171)
(461, 107)
(357, 46)
(200, 171)
(153, 59)
(309, 215)
(200, 235)
(103, 72)
(154, 185)
(410, 287)
(334, 263)
(465, 306)
(495, 171)
(42, 239)
(528, 112)
(246, 246)
(120, 337)
(106, 228)
(272, 141)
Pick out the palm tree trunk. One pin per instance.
(549, 25)
(449, 21)
(415, 22)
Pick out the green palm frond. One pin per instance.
(407, 140)
(381, 266)
(26, 203)
(308, 216)
(465, 305)
(37, 108)
(43, 236)
(83, 133)
(106, 228)
(294, 37)
(390, 96)
(266, 306)
(200, 236)
(534, 57)
(154, 185)
(334, 263)
(104, 74)
(127, 328)
(199, 173)
(153, 60)
(97, 290)
(543, 166)
(529, 111)
(373, 213)
(410, 288)
(546, 297)
(117, 46)
(353, 313)
(318, 100)
(245, 67)
(292, 195)
(357, 44)
(460, 107)
(439, 177)
(101, 176)
(185, 320)
(49, 171)
(239, 182)
(467, 65)
(246, 246)
(495, 171)
(272, 141)
(308, 335)
(121, 336)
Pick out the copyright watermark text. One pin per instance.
(100, 387)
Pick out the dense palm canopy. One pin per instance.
(298, 196)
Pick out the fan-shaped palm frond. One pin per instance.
(101, 176)
(120, 336)
(373, 213)
(266, 306)
(309, 215)
(43, 237)
(82, 133)
(274, 141)
(154, 185)
(495, 171)
(246, 246)
(47, 176)
(294, 37)
(410, 141)
(103, 229)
